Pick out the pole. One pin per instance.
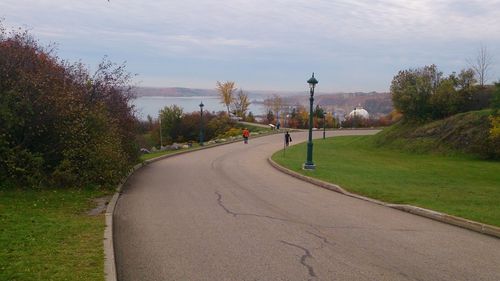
(309, 165)
(161, 136)
(201, 124)
(324, 126)
(284, 145)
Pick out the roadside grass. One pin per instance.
(253, 129)
(47, 235)
(152, 155)
(459, 185)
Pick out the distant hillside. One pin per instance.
(465, 133)
(191, 92)
(377, 104)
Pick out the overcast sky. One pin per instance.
(354, 45)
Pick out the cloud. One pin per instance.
(262, 36)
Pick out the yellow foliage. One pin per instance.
(495, 127)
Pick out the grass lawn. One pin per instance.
(457, 185)
(47, 235)
(161, 153)
(253, 129)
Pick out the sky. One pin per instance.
(356, 45)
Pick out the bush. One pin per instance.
(60, 124)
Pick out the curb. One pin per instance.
(109, 250)
(441, 217)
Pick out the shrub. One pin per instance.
(60, 124)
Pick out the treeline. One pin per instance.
(60, 124)
(180, 127)
(426, 94)
(297, 117)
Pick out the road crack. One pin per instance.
(219, 201)
(307, 254)
(235, 214)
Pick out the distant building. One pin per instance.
(359, 112)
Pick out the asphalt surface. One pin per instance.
(225, 214)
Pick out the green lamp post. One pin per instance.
(309, 164)
(201, 123)
(324, 123)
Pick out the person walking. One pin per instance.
(246, 134)
(288, 138)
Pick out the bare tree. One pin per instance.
(481, 64)
(274, 103)
(226, 91)
(241, 104)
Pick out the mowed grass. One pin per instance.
(47, 235)
(457, 185)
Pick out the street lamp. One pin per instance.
(161, 136)
(201, 123)
(324, 119)
(309, 165)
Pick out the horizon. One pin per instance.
(259, 91)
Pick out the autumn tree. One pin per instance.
(446, 100)
(412, 89)
(240, 104)
(226, 93)
(171, 117)
(274, 104)
(61, 125)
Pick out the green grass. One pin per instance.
(161, 153)
(464, 133)
(46, 235)
(459, 185)
(253, 129)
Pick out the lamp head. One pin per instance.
(312, 82)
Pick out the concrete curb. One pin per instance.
(441, 217)
(109, 250)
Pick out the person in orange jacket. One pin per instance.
(246, 134)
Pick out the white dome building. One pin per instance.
(359, 112)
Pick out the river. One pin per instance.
(151, 105)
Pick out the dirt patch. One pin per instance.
(101, 205)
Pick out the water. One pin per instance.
(152, 105)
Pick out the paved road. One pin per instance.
(225, 214)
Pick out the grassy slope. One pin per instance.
(465, 133)
(456, 184)
(46, 235)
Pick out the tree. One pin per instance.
(446, 101)
(62, 125)
(171, 122)
(277, 105)
(226, 92)
(465, 80)
(481, 64)
(270, 116)
(495, 101)
(318, 112)
(250, 117)
(411, 90)
(241, 104)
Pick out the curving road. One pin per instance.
(225, 214)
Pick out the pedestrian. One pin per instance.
(288, 138)
(246, 134)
